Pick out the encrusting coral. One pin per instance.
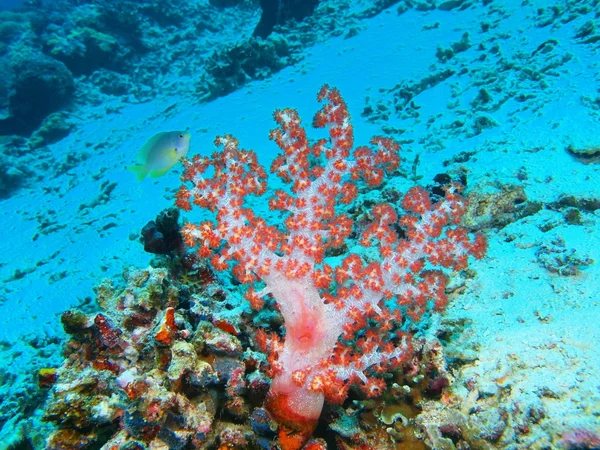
(150, 370)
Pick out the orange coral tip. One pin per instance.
(226, 326)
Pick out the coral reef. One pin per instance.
(85, 50)
(136, 51)
(165, 364)
(580, 438)
(158, 367)
(228, 69)
(41, 85)
(586, 155)
(126, 42)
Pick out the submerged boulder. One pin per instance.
(41, 86)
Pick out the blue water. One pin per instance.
(503, 96)
(11, 4)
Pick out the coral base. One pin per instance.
(295, 429)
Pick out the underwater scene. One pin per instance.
(299, 224)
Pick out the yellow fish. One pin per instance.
(160, 153)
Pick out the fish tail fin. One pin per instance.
(139, 171)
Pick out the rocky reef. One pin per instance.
(65, 63)
(160, 366)
(167, 361)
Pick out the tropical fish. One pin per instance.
(160, 153)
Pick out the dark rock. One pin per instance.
(74, 321)
(12, 174)
(436, 385)
(86, 49)
(41, 85)
(162, 236)
(55, 127)
(261, 423)
(278, 12)
(224, 3)
(110, 82)
(229, 69)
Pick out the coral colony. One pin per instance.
(342, 321)
(162, 364)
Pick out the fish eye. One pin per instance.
(180, 136)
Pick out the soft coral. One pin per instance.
(339, 325)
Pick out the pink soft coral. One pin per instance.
(341, 322)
